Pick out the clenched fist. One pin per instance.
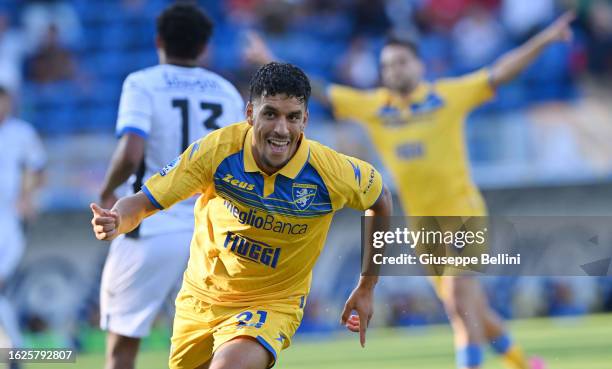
(105, 223)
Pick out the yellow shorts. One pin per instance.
(201, 328)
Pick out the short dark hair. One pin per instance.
(395, 40)
(184, 29)
(280, 78)
(4, 91)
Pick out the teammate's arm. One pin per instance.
(361, 299)
(258, 53)
(509, 65)
(345, 102)
(126, 159)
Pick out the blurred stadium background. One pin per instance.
(543, 147)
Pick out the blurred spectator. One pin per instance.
(477, 39)
(11, 55)
(600, 28)
(332, 23)
(401, 14)
(570, 296)
(443, 14)
(358, 67)
(241, 11)
(407, 310)
(275, 16)
(39, 15)
(133, 6)
(523, 18)
(370, 17)
(51, 62)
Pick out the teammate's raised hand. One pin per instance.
(105, 223)
(256, 51)
(560, 29)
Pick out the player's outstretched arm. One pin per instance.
(361, 299)
(126, 215)
(509, 65)
(258, 53)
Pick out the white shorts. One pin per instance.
(139, 276)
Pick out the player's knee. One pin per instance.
(241, 353)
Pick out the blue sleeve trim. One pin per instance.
(265, 344)
(134, 130)
(146, 191)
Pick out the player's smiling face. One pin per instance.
(401, 69)
(278, 122)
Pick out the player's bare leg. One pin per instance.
(499, 339)
(493, 323)
(241, 353)
(460, 299)
(121, 351)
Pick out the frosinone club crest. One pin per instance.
(303, 195)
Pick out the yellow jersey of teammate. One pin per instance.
(421, 140)
(257, 236)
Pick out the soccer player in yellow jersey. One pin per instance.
(418, 129)
(267, 198)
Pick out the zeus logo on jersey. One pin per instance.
(252, 250)
(267, 222)
(238, 183)
(165, 170)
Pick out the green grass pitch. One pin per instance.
(570, 343)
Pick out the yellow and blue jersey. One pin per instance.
(421, 140)
(257, 236)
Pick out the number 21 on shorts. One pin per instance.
(244, 319)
